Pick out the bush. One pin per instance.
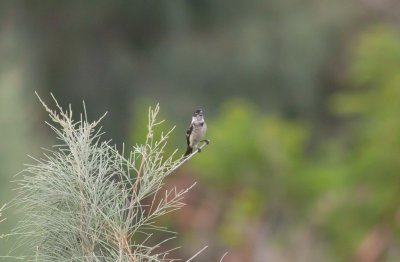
(86, 201)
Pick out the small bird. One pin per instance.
(196, 131)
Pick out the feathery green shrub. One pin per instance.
(86, 201)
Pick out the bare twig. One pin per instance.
(226, 253)
(195, 255)
(1, 220)
(206, 142)
(1, 208)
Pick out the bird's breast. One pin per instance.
(198, 133)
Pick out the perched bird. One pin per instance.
(196, 131)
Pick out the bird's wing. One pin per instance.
(188, 132)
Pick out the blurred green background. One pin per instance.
(302, 101)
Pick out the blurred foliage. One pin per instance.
(370, 163)
(184, 53)
(345, 190)
(16, 123)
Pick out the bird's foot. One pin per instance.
(206, 141)
(199, 150)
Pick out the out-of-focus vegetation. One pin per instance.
(343, 197)
(301, 100)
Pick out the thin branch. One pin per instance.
(206, 142)
(152, 119)
(195, 255)
(1, 220)
(226, 253)
(137, 181)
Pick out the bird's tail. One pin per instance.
(189, 150)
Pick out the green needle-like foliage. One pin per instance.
(85, 201)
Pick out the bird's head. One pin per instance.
(198, 115)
